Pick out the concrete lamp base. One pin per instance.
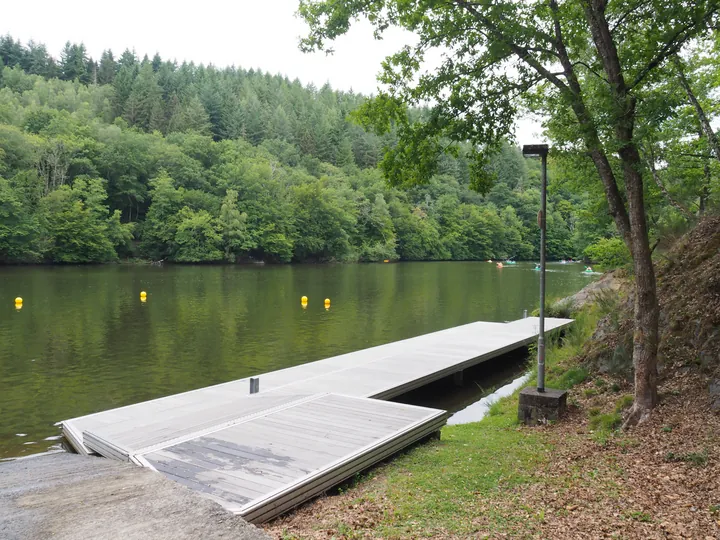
(541, 407)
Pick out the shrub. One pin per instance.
(609, 252)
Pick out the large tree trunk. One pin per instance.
(646, 309)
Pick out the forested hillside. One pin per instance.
(129, 157)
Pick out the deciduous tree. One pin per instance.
(586, 63)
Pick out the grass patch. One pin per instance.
(698, 459)
(447, 478)
(605, 422)
(624, 403)
(639, 516)
(572, 377)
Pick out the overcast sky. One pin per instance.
(246, 33)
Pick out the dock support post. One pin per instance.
(254, 385)
(525, 314)
(458, 377)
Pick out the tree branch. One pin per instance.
(702, 117)
(627, 14)
(673, 46)
(523, 53)
(591, 70)
(650, 160)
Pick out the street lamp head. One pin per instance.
(535, 150)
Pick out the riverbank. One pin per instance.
(579, 478)
(63, 496)
(582, 477)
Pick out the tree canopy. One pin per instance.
(195, 164)
(595, 69)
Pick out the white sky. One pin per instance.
(246, 33)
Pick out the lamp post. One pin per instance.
(541, 150)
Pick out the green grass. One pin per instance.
(639, 516)
(698, 459)
(451, 486)
(624, 403)
(605, 422)
(446, 478)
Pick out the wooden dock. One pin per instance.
(309, 427)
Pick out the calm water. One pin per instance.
(84, 342)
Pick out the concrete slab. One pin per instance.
(64, 496)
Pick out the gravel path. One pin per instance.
(65, 496)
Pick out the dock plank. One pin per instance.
(233, 481)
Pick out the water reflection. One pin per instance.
(84, 341)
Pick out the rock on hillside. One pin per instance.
(688, 277)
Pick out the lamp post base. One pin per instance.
(541, 407)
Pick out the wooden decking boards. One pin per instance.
(260, 467)
(310, 426)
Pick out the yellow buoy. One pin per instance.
(387, 260)
(18, 300)
(143, 294)
(327, 302)
(303, 300)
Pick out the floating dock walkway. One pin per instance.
(308, 428)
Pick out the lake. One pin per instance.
(84, 341)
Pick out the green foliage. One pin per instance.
(76, 226)
(572, 377)
(236, 238)
(624, 403)
(605, 422)
(326, 222)
(609, 252)
(197, 238)
(185, 153)
(698, 459)
(639, 516)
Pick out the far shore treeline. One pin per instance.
(145, 158)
